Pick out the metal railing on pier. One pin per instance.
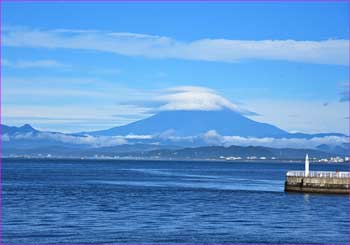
(319, 174)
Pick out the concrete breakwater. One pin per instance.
(318, 182)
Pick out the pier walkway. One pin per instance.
(319, 174)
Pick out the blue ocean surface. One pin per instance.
(102, 201)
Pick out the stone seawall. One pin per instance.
(317, 185)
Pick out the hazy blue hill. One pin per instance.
(189, 123)
(215, 152)
(11, 130)
(342, 149)
(26, 139)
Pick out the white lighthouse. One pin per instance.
(307, 170)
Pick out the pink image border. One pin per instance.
(163, 1)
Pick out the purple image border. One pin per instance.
(182, 1)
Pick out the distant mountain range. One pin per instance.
(169, 132)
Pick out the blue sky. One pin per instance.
(86, 66)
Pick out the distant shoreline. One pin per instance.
(169, 160)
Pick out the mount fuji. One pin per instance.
(196, 122)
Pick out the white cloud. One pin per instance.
(212, 137)
(138, 137)
(196, 98)
(224, 50)
(23, 64)
(193, 98)
(101, 141)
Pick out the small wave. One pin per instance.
(173, 174)
(252, 186)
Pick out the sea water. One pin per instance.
(104, 201)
